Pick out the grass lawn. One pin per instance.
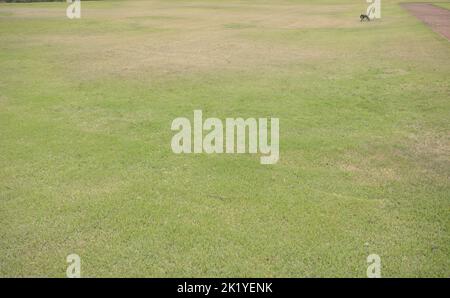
(442, 4)
(86, 165)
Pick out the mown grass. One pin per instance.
(442, 4)
(86, 165)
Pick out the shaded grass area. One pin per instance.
(86, 165)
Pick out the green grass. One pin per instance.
(86, 165)
(442, 4)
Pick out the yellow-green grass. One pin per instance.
(442, 4)
(86, 165)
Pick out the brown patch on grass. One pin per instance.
(161, 38)
(369, 172)
(432, 145)
(429, 154)
(424, 155)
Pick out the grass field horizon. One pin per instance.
(86, 165)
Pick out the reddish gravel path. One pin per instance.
(435, 17)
